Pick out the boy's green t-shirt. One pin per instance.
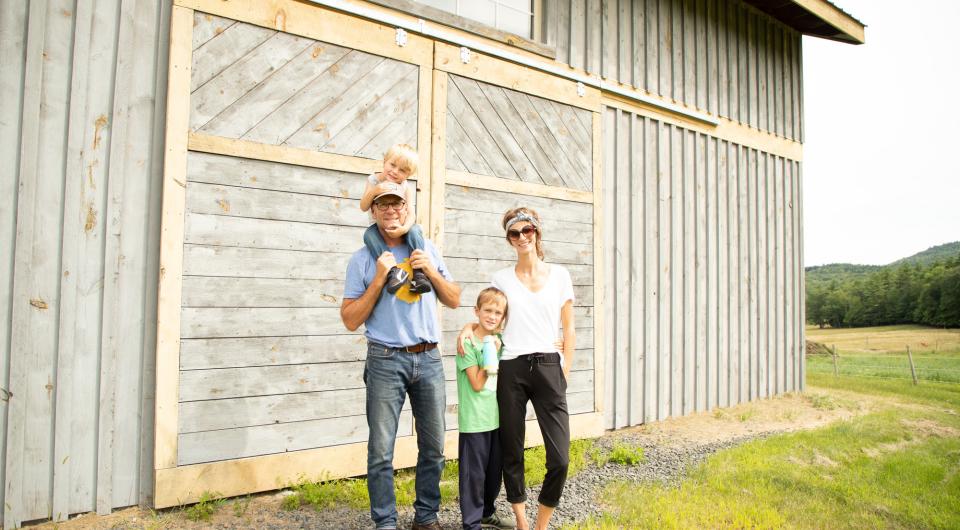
(478, 411)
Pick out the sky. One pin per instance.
(881, 154)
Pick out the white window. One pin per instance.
(513, 16)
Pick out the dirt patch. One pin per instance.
(927, 428)
(789, 412)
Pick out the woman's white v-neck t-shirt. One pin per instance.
(533, 322)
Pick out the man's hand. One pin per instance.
(421, 260)
(385, 262)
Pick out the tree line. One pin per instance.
(907, 293)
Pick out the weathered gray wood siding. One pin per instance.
(266, 364)
(475, 248)
(276, 88)
(81, 122)
(501, 132)
(703, 303)
(721, 56)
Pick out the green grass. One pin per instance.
(352, 492)
(898, 467)
(206, 506)
(535, 461)
(930, 367)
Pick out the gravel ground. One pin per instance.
(664, 462)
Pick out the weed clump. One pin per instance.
(206, 506)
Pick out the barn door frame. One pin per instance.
(178, 484)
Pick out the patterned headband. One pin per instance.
(523, 216)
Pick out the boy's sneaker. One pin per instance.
(420, 283)
(395, 279)
(494, 521)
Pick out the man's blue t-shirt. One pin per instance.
(404, 318)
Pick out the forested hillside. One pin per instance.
(920, 289)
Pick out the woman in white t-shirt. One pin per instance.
(540, 300)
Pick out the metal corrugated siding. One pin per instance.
(721, 56)
(82, 101)
(703, 303)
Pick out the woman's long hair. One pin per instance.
(511, 213)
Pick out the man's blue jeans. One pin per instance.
(390, 374)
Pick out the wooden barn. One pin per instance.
(180, 188)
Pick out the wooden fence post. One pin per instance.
(836, 371)
(913, 371)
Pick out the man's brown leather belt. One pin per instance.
(420, 348)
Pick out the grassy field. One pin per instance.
(882, 352)
(895, 467)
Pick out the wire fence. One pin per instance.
(888, 366)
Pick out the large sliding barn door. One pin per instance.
(505, 136)
(277, 112)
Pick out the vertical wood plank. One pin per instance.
(753, 100)
(743, 64)
(578, 40)
(636, 309)
(426, 113)
(763, 61)
(801, 318)
(746, 250)
(733, 59)
(171, 239)
(757, 250)
(686, 58)
(625, 42)
(781, 92)
(652, 40)
(594, 29)
(713, 57)
(149, 348)
(763, 274)
(666, 45)
(782, 287)
(724, 247)
(723, 63)
(611, 123)
(621, 372)
(701, 287)
(13, 40)
(651, 252)
(702, 54)
(610, 39)
(735, 285)
(712, 234)
(639, 54)
(665, 272)
(438, 162)
(124, 294)
(599, 270)
(689, 273)
(563, 30)
(678, 226)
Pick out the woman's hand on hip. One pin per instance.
(465, 334)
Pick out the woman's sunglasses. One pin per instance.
(527, 231)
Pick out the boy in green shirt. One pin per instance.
(481, 467)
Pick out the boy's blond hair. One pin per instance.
(490, 294)
(407, 157)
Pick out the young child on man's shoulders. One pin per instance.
(399, 164)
